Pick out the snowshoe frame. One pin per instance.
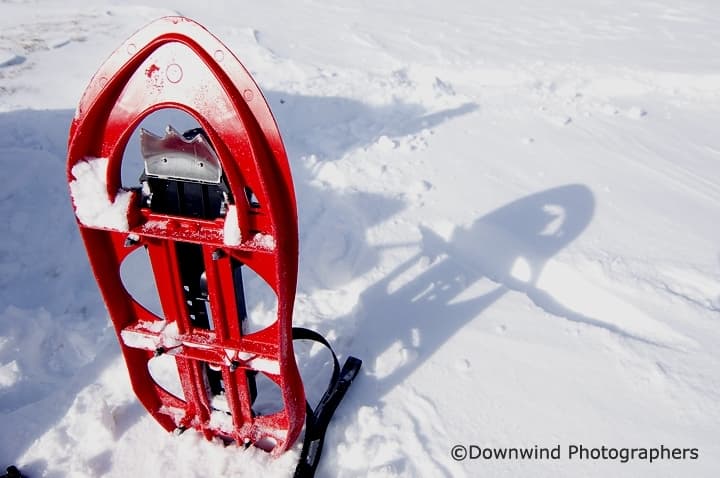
(176, 63)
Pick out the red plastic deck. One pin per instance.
(176, 63)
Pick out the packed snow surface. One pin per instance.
(508, 210)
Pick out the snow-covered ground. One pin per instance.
(507, 209)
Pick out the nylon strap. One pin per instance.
(317, 420)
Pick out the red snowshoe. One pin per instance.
(212, 201)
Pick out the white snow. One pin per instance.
(8, 58)
(232, 235)
(154, 325)
(169, 335)
(221, 420)
(257, 363)
(508, 210)
(138, 340)
(219, 402)
(9, 374)
(265, 365)
(264, 241)
(93, 207)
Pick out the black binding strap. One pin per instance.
(317, 420)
